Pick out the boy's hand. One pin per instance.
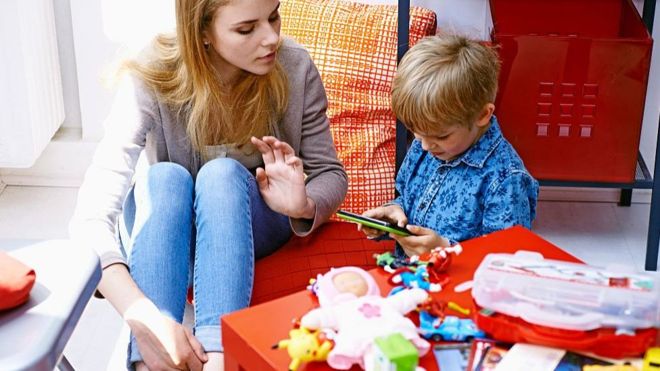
(424, 240)
(391, 213)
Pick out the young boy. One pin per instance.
(460, 178)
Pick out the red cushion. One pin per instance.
(16, 281)
(290, 268)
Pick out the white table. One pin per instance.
(33, 336)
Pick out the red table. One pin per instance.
(249, 334)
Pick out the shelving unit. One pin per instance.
(643, 178)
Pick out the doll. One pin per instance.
(351, 305)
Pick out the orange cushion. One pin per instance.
(354, 47)
(16, 281)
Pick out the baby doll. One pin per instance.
(351, 305)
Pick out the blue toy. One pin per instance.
(406, 278)
(451, 328)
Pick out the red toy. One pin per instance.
(606, 342)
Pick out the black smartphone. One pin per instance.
(373, 223)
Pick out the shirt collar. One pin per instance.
(477, 155)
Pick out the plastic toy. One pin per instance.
(652, 359)
(604, 342)
(352, 306)
(434, 307)
(454, 306)
(441, 257)
(609, 368)
(304, 345)
(407, 278)
(451, 328)
(393, 352)
(390, 263)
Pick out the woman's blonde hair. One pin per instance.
(442, 81)
(181, 73)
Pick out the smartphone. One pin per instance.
(373, 223)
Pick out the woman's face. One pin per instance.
(244, 35)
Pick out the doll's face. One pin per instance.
(350, 282)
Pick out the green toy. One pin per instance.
(395, 353)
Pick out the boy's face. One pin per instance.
(451, 141)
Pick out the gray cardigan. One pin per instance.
(139, 121)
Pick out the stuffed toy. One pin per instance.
(304, 345)
(352, 306)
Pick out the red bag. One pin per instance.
(16, 281)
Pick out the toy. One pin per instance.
(352, 306)
(392, 352)
(609, 368)
(449, 328)
(390, 263)
(304, 345)
(413, 279)
(441, 257)
(454, 306)
(652, 359)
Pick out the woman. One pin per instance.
(232, 122)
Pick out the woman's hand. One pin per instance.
(282, 181)
(163, 343)
(422, 241)
(392, 213)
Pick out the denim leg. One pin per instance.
(233, 225)
(160, 235)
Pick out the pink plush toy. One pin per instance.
(352, 306)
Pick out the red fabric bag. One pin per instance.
(16, 281)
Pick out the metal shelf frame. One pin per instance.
(643, 177)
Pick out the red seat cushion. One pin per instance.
(290, 268)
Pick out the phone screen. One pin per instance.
(373, 223)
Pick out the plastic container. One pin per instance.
(572, 85)
(566, 295)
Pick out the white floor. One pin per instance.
(598, 233)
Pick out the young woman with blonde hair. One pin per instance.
(231, 119)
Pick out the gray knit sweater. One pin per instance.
(140, 122)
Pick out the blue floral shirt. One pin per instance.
(485, 189)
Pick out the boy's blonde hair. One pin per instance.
(444, 81)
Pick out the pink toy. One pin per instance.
(352, 306)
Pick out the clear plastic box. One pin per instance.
(567, 295)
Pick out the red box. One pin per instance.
(572, 85)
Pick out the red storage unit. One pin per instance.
(572, 85)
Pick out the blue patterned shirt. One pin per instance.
(485, 189)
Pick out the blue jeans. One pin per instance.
(211, 229)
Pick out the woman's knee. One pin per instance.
(169, 173)
(222, 173)
(165, 181)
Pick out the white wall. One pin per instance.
(67, 63)
(104, 32)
